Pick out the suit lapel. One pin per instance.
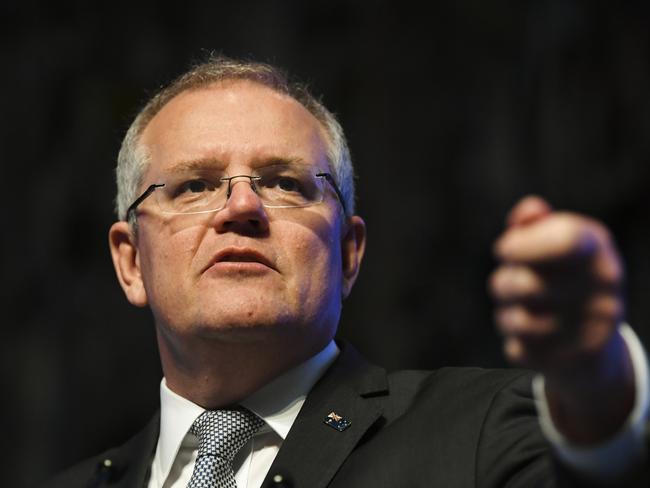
(128, 465)
(313, 451)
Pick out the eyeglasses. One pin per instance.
(203, 191)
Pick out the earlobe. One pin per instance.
(126, 261)
(353, 245)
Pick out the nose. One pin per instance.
(244, 211)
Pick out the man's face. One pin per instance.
(245, 271)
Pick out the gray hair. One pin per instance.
(134, 157)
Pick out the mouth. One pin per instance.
(240, 258)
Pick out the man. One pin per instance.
(237, 229)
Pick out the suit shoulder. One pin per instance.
(460, 386)
(130, 461)
(82, 473)
(474, 379)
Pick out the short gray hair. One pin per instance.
(133, 157)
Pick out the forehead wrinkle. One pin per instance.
(260, 162)
(219, 153)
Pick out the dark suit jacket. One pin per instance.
(453, 427)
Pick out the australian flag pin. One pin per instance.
(335, 421)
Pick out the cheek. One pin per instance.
(168, 260)
(315, 265)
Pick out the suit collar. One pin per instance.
(279, 402)
(313, 452)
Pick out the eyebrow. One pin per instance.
(197, 164)
(218, 164)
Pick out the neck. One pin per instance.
(218, 372)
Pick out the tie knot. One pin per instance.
(222, 433)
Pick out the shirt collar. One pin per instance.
(277, 403)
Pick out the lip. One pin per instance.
(240, 258)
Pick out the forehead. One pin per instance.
(233, 123)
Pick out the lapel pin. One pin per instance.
(335, 421)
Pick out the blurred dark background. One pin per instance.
(451, 115)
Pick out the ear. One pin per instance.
(353, 245)
(126, 261)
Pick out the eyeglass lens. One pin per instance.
(282, 185)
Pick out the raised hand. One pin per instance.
(559, 305)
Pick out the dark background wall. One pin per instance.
(451, 115)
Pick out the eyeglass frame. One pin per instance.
(153, 187)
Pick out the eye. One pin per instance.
(288, 184)
(195, 186)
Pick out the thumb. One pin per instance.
(527, 210)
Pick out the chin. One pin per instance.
(238, 328)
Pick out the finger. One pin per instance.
(536, 353)
(542, 287)
(528, 209)
(546, 340)
(521, 321)
(519, 318)
(559, 237)
(516, 282)
(553, 353)
(514, 350)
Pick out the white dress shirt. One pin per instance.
(278, 404)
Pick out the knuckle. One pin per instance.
(517, 282)
(494, 280)
(500, 282)
(512, 319)
(609, 269)
(576, 234)
(605, 307)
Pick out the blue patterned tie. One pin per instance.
(221, 433)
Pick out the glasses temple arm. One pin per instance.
(142, 197)
(329, 178)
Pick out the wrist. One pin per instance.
(591, 401)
